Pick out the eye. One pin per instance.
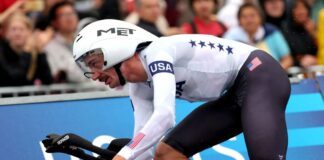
(95, 64)
(92, 64)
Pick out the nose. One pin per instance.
(95, 76)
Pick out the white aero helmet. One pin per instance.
(115, 40)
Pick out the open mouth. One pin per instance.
(107, 82)
(104, 79)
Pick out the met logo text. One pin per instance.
(118, 31)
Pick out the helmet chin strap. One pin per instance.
(139, 48)
(122, 80)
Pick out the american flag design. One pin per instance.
(134, 142)
(254, 63)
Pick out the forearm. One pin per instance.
(12, 9)
(151, 133)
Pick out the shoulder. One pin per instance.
(220, 24)
(186, 28)
(55, 46)
(51, 45)
(270, 29)
(236, 29)
(162, 43)
(236, 33)
(157, 51)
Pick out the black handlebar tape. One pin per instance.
(82, 143)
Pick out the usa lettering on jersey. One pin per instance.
(161, 66)
(179, 88)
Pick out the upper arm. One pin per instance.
(163, 78)
(159, 61)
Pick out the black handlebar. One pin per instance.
(73, 144)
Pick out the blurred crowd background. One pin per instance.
(36, 36)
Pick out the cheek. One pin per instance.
(300, 16)
(243, 22)
(24, 35)
(210, 6)
(74, 22)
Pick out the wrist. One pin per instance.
(125, 152)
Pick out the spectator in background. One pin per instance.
(172, 12)
(275, 12)
(320, 34)
(149, 11)
(5, 4)
(111, 9)
(148, 15)
(265, 36)
(88, 8)
(228, 13)
(43, 21)
(7, 8)
(184, 12)
(10, 7)
(204, 21)
(21, 59)
(300, 32)
(316, 6)
(84, 22)
(64, 20)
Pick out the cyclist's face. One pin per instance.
(109, 76)
(95, 62)
(131, 69)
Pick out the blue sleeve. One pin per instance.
(279, 45)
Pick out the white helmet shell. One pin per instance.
(117, 39)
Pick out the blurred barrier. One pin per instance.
(320, 81)
(305, 86)
(302, 73)
(24, 91)
(302, 80)
(51, 89)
